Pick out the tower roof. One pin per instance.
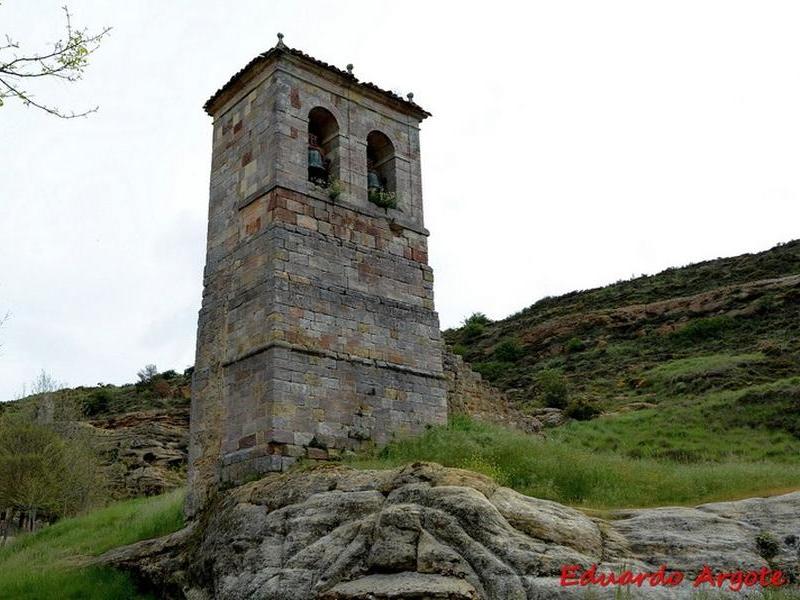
(347, 77)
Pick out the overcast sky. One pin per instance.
(573, 144)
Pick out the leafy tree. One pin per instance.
(478, 318)
(42, 473)
(65, 59)
(147, 374)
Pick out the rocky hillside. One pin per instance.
(634, 343)
(139, 431)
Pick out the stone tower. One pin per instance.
(317, 332)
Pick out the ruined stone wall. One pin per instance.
(468, 394)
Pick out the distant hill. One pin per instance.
(725, 332)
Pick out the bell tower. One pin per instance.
(317, 332)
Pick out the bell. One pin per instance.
(316, 163)
(374, 181)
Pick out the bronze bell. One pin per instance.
(373, 178)
(374, 181)
(317, 171)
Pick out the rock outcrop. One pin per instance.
(144, 453)
(425, 531)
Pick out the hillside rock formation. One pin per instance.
(425, 531)
(144, 452)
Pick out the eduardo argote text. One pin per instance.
(575, 575)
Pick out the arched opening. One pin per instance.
(323, 147)
(381, 171)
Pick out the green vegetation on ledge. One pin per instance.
(47, 564)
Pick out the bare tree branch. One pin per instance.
(66, 60)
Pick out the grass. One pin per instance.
(558, 470)
(754, 424)
(713, 364)
(47, 564)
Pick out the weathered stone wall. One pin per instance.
(317, 332)
(468, 394)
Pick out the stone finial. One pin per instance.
(350, 68)
(280, 43)
(410, 96)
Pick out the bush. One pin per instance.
(459, 349)
(383, 199)
(44, 475)
(574, 345)
(509, 351)
(472, 331)
(553, 388)
(98, 402)
(477, 317)
(580, 410)
(491, 370)
(161, 387)
(335, 189)
(704, 329)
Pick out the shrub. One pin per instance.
(574, 345)
(98, 402)
(704, 329)
(474, 326)
(478, 318)
(471, 331)
(335, 189)
(383, 199)
(509, 351)
(553, 388)
(161, 388)
(580, 410)
(44, 475)
(459, 349)
(492, 370)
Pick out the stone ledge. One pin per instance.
(335, 356)
(361, 210)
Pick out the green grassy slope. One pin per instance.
(566, 472)
(697, 363)
(47, 564)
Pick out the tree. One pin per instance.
(147, 374)
(44, 474)
(45, 384)
(65, 59)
